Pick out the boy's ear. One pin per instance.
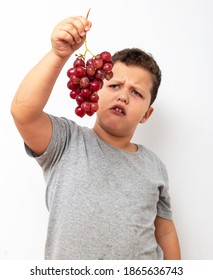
(147, 115)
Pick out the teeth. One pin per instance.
(119, 110)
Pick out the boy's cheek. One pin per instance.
(103, 95)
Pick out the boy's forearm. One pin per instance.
(170, 246)
(34, 91)
(167, 238)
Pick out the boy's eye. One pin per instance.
(137, 93)
(113, 86)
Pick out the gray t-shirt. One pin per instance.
(102, 200)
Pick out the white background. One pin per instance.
(179, 35)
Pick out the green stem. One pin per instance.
(87, 49)
(88, 13)
(85, 42)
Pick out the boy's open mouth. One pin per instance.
(118, 109)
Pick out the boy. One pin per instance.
(107, 197)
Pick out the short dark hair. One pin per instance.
(137, 57)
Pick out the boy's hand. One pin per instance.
(69, 35)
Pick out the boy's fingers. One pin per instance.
(81, 24)
(77, 27)
(71, 31)
(66, 36)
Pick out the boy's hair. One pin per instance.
(137, 57)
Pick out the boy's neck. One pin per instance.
(121, 142)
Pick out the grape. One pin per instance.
(86, 106)
(106, 56)
(74, 93)
(94, 85)
(86, 92)
(98, 62)
(107, 67)
(108, 76)
(86, 79)
(79, 99)
(90, 69)
(84, 82)
(70, 72)
(90, 113)
(80, 71)
(89, 62)
(94, 98)
(79, 111)
(74, 79)
(94, 107)
(71, 86)
(100, 74)
(78, 62)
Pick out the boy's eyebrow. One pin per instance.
(117, 81)
(137, 87)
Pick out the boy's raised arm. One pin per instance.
(33, 93)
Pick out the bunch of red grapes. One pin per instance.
(86, 79)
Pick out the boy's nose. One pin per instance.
(123, 98)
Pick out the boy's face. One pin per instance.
(124, 100)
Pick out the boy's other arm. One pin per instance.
(167, 238)
(32, 95)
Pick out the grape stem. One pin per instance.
(85, 42)
(88, 13)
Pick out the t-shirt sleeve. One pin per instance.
(62, 131)
(164, 203)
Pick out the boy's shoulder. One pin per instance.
(152, 156)
(65, 122)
